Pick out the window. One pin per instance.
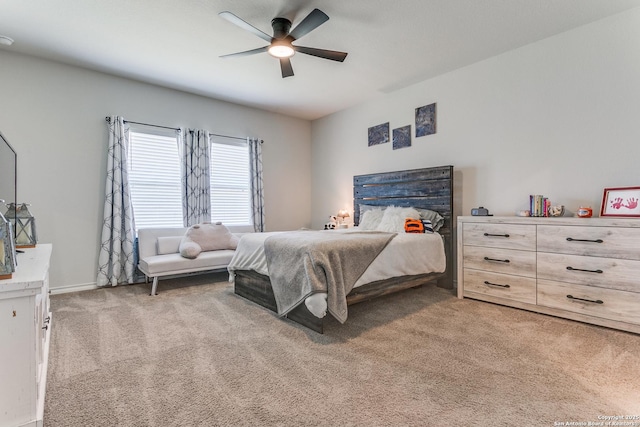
(230, 183)
(156, 186)
(154, 178)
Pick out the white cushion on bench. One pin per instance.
(169, 244)
(174, 263)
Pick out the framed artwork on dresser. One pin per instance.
(621, 202)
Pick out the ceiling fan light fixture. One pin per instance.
(280, 44)
(281, 49)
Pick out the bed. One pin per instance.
(427, 188)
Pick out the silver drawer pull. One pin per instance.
(494, 259)
(587, 271)
(598, 301)
(496, 235)
(571, 239)
(496, 284)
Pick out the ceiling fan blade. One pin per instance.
(247, 52)
(244, 25)
(333, 55)
(309, 23)
(285, 66)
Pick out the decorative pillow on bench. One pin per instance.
(206, 237)
(168, 245)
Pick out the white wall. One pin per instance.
(53, 116)
(558, 117)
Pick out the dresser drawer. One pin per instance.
(611, 242)
(507, 261)
(507, 236)
(516, 288)
(604, 303)
(608, 273)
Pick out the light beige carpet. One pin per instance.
(201, 356)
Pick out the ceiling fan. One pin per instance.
(281, 45)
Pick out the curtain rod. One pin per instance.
(108, 119)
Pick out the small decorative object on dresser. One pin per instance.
(584, 212)
(584, 269)
(556, 210)
(25, 225)
(7, 248)
(480, 211)
(621, 202)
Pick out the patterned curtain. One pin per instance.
(116, 261)
(196, 197)
(257, 192)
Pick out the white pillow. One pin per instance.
(436, 219)
(364, 208)
(393, 219)
(206, 237)
(370, 219)
(168, 245)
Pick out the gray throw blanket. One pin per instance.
(302, 263)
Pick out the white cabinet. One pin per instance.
(585, 269)
(25, 328)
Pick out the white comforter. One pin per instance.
(407, 254)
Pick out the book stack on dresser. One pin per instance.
(585, 269)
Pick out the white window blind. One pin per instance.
(230, 187)
(154, 179)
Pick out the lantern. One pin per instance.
(7, 249)
(25, 225)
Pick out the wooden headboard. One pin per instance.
(428, 188)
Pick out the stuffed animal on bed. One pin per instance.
(206, 237)
(417, 226)
(333, 220)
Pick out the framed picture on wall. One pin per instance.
(621, 202)
(402, 137)
(426, 120)
(378, 134)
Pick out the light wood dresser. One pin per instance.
(25, 328)
(585, 269)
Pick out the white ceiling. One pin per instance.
(391, 43)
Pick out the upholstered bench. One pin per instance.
(159, 255)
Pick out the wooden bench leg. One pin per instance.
(155, 286)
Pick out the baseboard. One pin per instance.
(137, 280)
(73, 288)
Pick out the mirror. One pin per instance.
(8, 177)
